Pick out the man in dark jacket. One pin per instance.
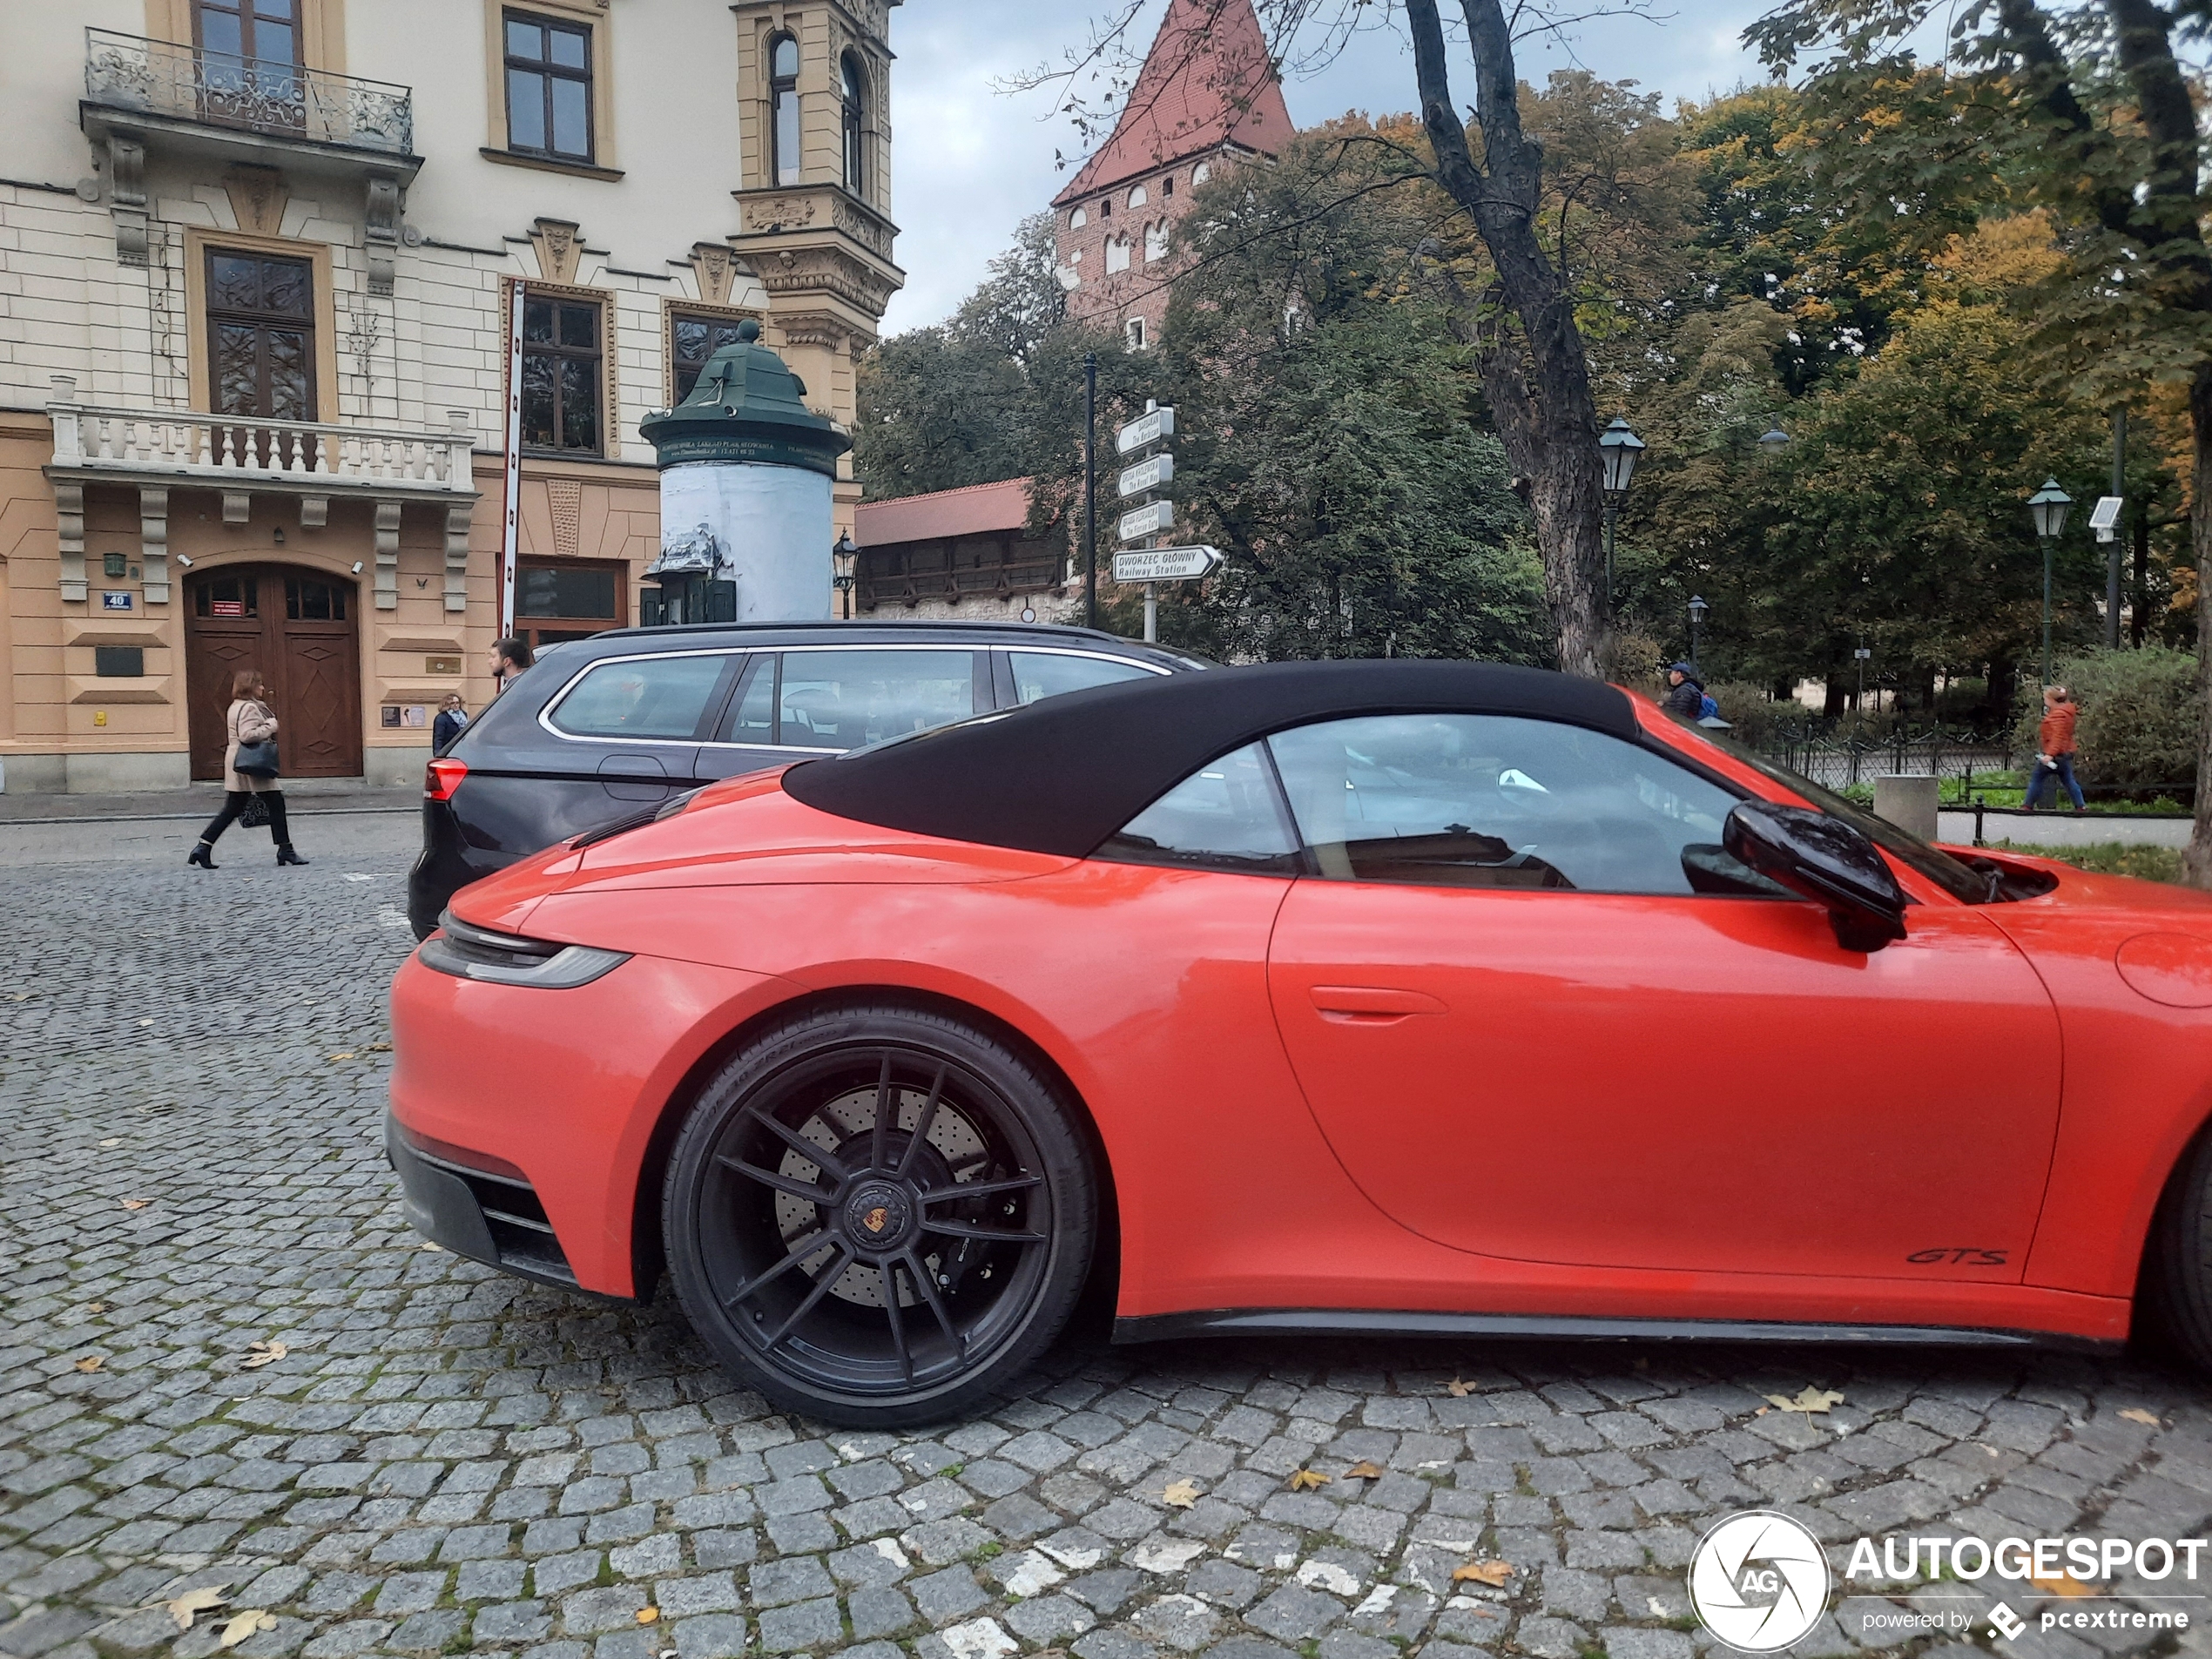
(1685, 694)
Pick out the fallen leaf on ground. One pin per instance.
(263, 1353)
(2137, 1414)
(1763, 1411)
(1494, 1574)
(117, 1141)
(97, 1307)
(2067, 1587)
(377, 1048)
(92, 1362)
(343, 1054)
(199, 1600)
(1809, 1399)
(136, 1203)
(1184, 1494)
(250, 1623)
(1457, 1389)
(648, 1614)
(1993, 1451)
(1364, 1470)
(427, 1245)
(1307, 1480)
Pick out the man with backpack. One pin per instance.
(1686, 694)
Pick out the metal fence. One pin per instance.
(284, 100)
(1846, 762)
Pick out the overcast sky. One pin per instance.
(970, 162)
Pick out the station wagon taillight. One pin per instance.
(443, 778)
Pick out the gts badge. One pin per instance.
(1957, 1256)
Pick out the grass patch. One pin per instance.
(2109, 858)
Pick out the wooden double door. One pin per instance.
(301, 630)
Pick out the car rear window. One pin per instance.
(1049, 674)
(845, 699)
(660, 697)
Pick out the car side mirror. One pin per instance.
(1824, 859)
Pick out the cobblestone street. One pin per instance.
(444, 1459)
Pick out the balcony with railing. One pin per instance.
(241, 456)
(245, 108)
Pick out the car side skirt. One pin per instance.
(1307, 1322)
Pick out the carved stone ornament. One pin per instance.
(793, 212)
(564, 497)
(560, 249)
(715, 268)
(126, 161)
(258, 196)
(382, 231)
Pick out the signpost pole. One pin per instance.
(1091, 489)
(509, 535)
(1151, 613)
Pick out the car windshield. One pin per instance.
(1975, 883)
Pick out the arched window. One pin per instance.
(1117, 255)
(856, 123)
(1137, 198)
(783, 94)
(1156, 240)
(1203, 171)
(1077, 219)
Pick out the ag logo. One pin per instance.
(1758, 1581)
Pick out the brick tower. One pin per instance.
(1207, 97)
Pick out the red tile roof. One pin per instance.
(979, 510)
(1208, 80)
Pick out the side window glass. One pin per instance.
(1226, 815)
(752, 716)
(662, 698)
(843, 699)
(1468, 800)
(1041, 674)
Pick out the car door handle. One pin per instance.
(1377, 1003)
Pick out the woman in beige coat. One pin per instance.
(250, 720)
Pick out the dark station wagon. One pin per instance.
(608, 729)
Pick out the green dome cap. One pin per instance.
(746, 407)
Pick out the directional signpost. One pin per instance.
(1166, 563)
(1148, 514)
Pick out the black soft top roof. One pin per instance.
(1061, 775)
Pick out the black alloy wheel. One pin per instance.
(878, 1215)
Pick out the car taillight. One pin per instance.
(443, 778)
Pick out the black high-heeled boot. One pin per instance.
(285, 856)
(199, 855)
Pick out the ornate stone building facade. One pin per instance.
(255, 261)
(1207, 97)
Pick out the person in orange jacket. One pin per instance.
(2055, 739)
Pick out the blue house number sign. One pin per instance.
(113, 601)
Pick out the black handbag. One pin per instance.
(256, 759)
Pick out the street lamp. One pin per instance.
(1774, 440)
(844, 557)
(2048, 507)
(1697, 610)
(1617, 450)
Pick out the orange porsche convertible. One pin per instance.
(1403, 996)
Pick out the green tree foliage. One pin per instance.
(941, 407)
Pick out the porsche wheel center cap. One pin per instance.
(878, 1215)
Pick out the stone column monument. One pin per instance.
(745, 470)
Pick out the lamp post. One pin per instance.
(844, 559)
(1697, 610)
(1091, 489)
(1774, 440)
(1617, 450)
(2048, 507)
